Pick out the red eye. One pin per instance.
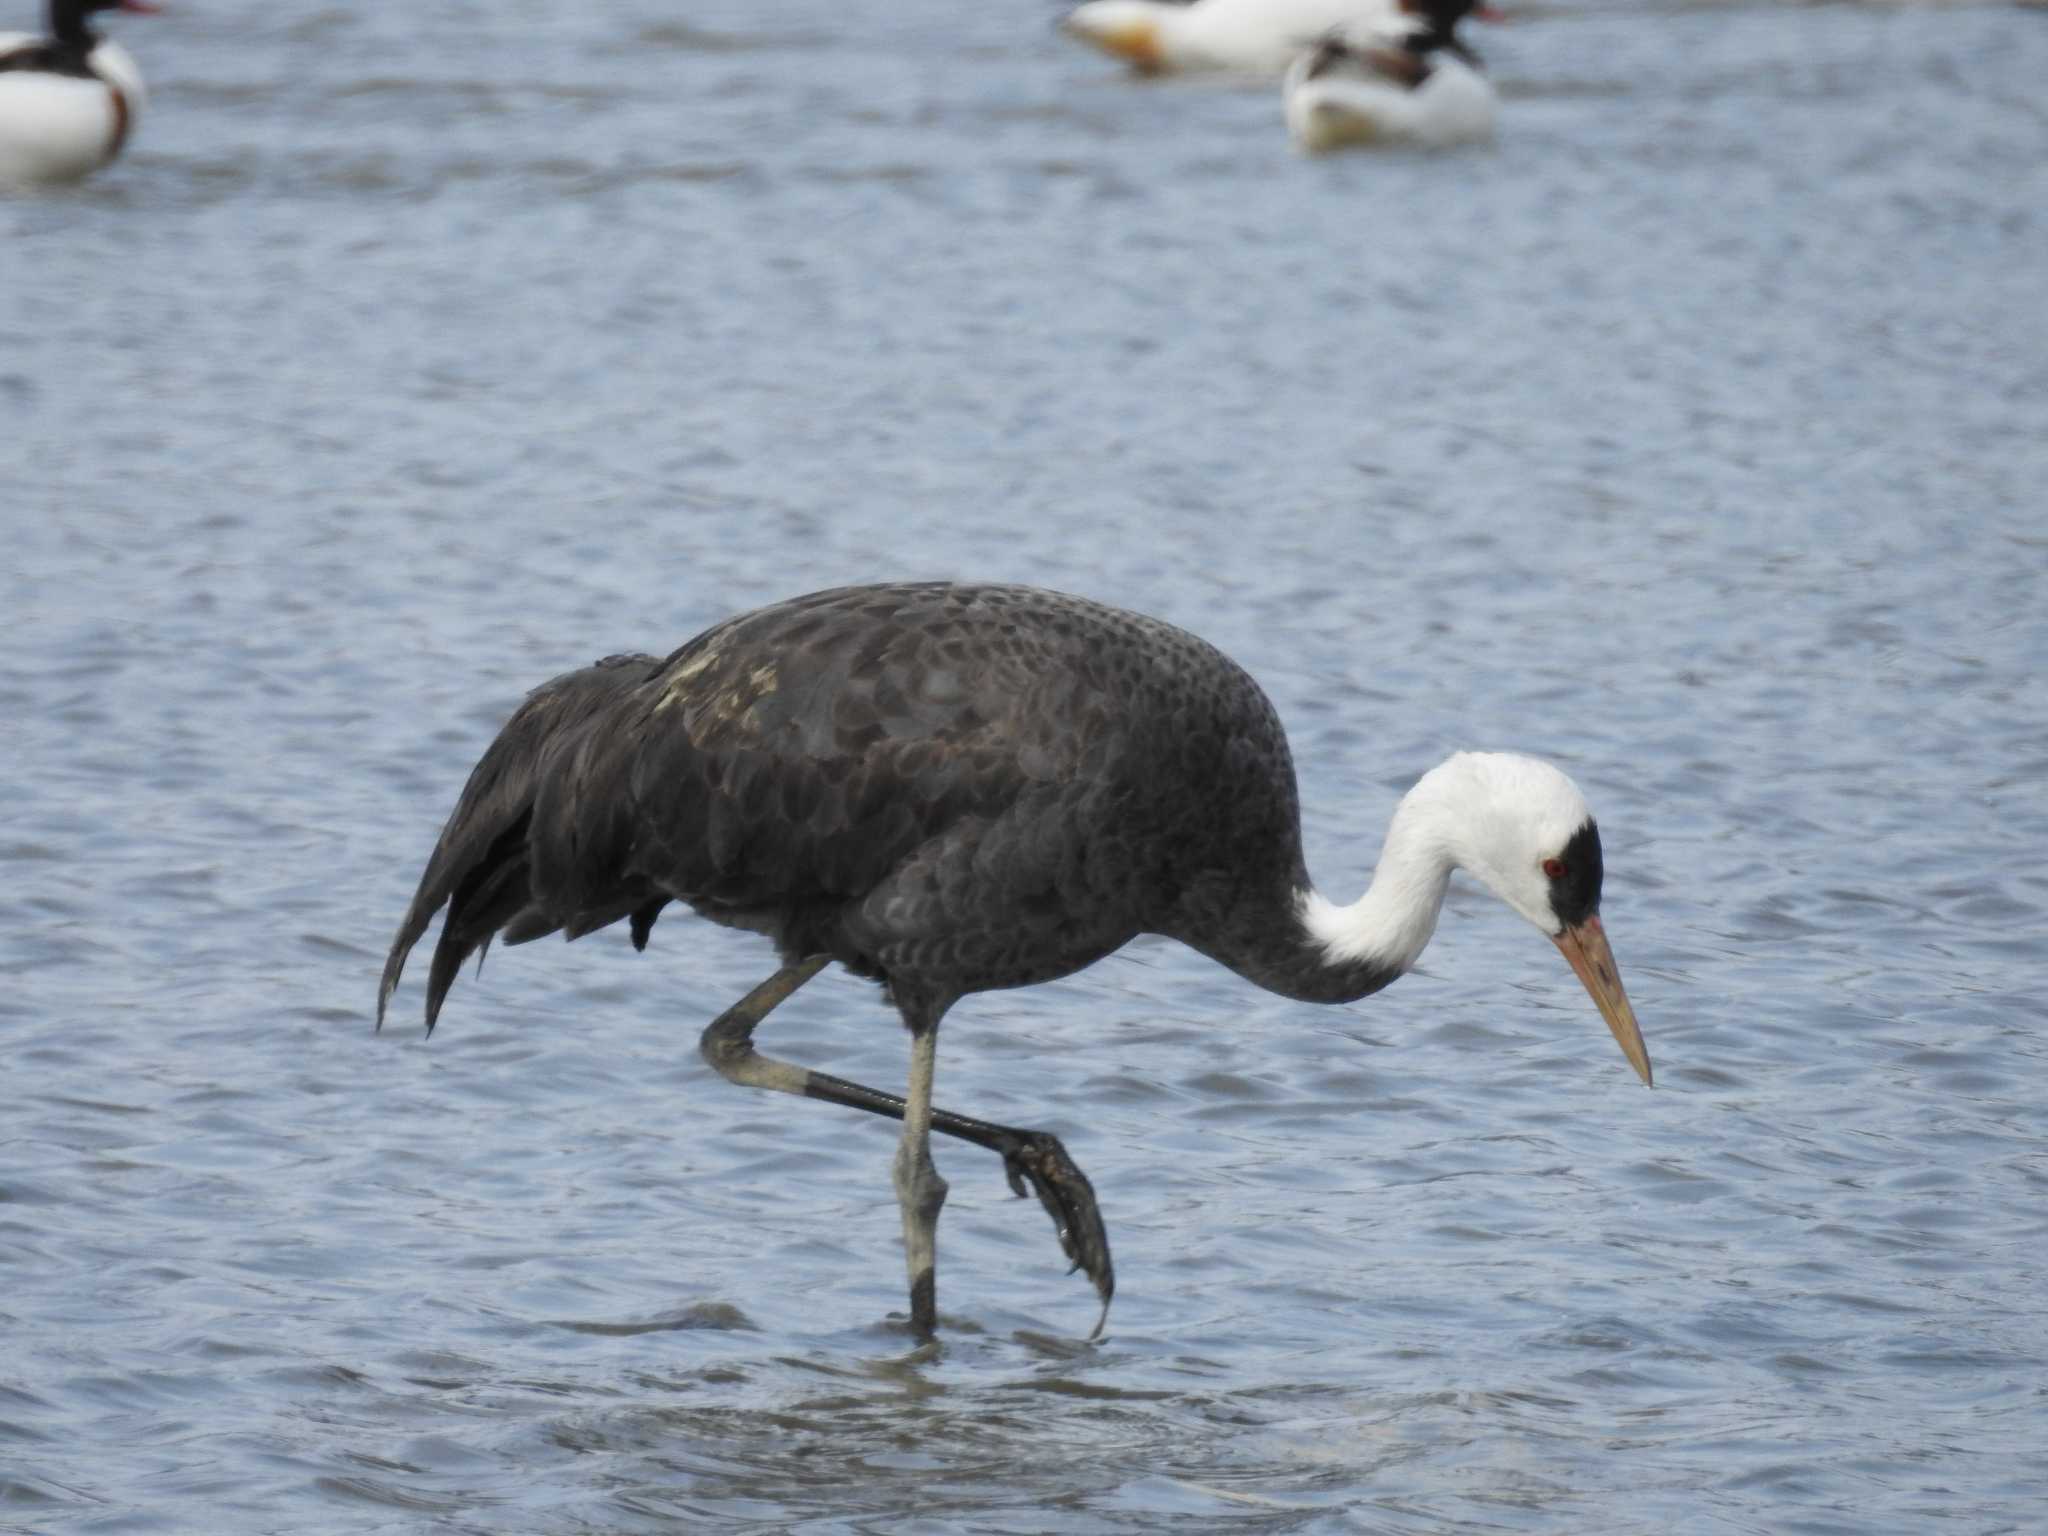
(1554, 868)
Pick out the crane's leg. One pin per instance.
(1031, 1159)
(920, 1192)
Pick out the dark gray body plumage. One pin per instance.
(947, 788)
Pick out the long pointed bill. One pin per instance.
(1586, 947)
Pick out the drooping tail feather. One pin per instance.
(481, 867)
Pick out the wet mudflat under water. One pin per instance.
(1692, 436)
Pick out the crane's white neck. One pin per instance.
(1391, 924)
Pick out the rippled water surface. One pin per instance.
(1694, 435)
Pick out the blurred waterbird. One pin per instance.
(1416, 83)
(950, 789)
(1245, 36)
(68, 101)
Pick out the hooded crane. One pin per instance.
(952, 789)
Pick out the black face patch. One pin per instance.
(1575, 892)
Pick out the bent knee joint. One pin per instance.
(726, 1049)
(918, 1184)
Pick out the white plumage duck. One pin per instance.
(1246, 36)
(1415, 83)
(68, 101)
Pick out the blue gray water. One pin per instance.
(1694, 436)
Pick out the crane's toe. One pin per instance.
(1038, 1160)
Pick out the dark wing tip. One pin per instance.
(417, 917)
(394, 967)
(643, 921)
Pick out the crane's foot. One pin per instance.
(1036, 1159)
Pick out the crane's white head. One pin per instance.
(1521, 828)
(1517, 825)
